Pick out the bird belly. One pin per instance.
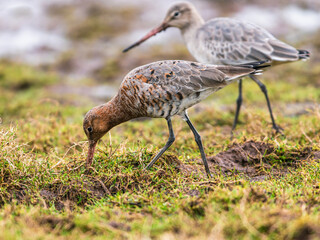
(163, 109)
(193, 99)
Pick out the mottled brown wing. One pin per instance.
(180, 76)
(186, 77)
(231, 41)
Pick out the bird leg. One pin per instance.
(197, 138)
(239, 102)
(265, 92)
(168, 144)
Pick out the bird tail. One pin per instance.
(303, 54)
(239, 71)
(258, 66)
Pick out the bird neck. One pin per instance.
(195, 22)
(115, 112)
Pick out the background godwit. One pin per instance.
(161, 90)
(227, 41)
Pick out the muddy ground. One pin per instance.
(255, 161)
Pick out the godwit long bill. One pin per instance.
(227, 41)
(161, 90)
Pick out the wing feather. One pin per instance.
(187, 77)
(231, 41)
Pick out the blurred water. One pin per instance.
(302, 19)
(26, 33)
(287, 20)
(29, 34)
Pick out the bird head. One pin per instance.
(179, 15)
(95, 125)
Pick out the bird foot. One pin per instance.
(231, 135)
(278, 129)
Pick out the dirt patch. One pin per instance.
(253, 158)
(54, 222)
(305, 232)
(316, 155)
(194, 207)
(74, 193)
(241, 157)
(47, 195)
(121, 226)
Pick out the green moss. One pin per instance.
(22, 77)
(46, 191)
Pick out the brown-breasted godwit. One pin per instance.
(227, 41)
(161, 90)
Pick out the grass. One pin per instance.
(265, 186)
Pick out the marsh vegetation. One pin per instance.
(264, 185)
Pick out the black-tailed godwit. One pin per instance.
(161, 90)
(227, 41)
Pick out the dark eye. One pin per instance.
(89, 129)
(176, 14)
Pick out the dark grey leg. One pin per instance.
(168, 144)
(239, 102)
(197, 137)
(265, 91)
